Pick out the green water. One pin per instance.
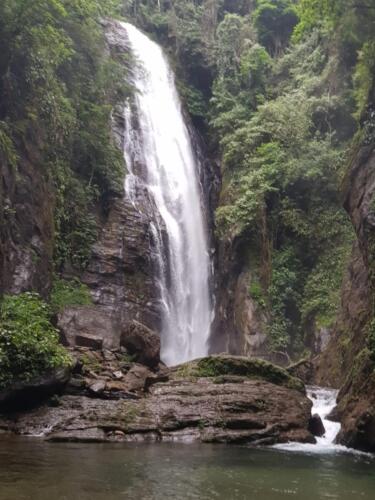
(33, 469)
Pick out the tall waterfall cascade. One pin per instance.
(160, 159)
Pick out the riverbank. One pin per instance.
(224, 399)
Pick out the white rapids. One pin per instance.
(157, 140)
(324, 401)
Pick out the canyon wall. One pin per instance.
(348, 361)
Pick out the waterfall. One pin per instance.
(160, 159)
(324, 401)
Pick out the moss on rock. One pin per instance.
(219, 365)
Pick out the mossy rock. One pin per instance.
(253, 368)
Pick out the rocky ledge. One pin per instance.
(215, 399)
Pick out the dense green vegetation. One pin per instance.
(29, 345)
(57, 89)
(277, 86)
(68, 293)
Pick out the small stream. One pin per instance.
(324, 401)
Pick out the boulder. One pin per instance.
(316, 426)
(135, 379)
(142, 343)
(89, 326)
(251, 402)
(303, 369)
(97, 388)
(24, 394)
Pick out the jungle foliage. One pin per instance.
(57, 89)
(29, 346)
(278, 87)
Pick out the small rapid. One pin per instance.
(324, 401)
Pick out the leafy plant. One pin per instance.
(68, 293)
(256, 293)
(29, 345)
(275, 21)
(57, 91)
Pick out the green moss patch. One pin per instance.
(252, 368)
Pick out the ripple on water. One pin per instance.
(38, 470)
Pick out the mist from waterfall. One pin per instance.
(160, 159)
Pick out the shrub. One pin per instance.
(69, 293)
(257, 294)
(29, 344)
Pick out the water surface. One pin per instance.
(37, 470)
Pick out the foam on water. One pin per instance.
(324, 401)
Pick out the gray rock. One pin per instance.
(135, 379)
(97, 387)
(89, 326)
(141, 342)
(249, 409)
(316, 426)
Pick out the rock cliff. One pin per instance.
(349, 358)
(26, 222)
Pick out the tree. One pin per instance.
(275, 21)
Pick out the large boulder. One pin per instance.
(95, 327)
(142, 343)
(303, 369)
(248, 401)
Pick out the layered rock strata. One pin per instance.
(216, 399)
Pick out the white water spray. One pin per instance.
(160, 159)
(324, 401)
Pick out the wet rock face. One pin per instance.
(358, 427)
(356, 406)
(232, 408)
(120, 274)
(347, 361)
(26, 223)
(121, 270)
(316, 426)
(240, 323)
